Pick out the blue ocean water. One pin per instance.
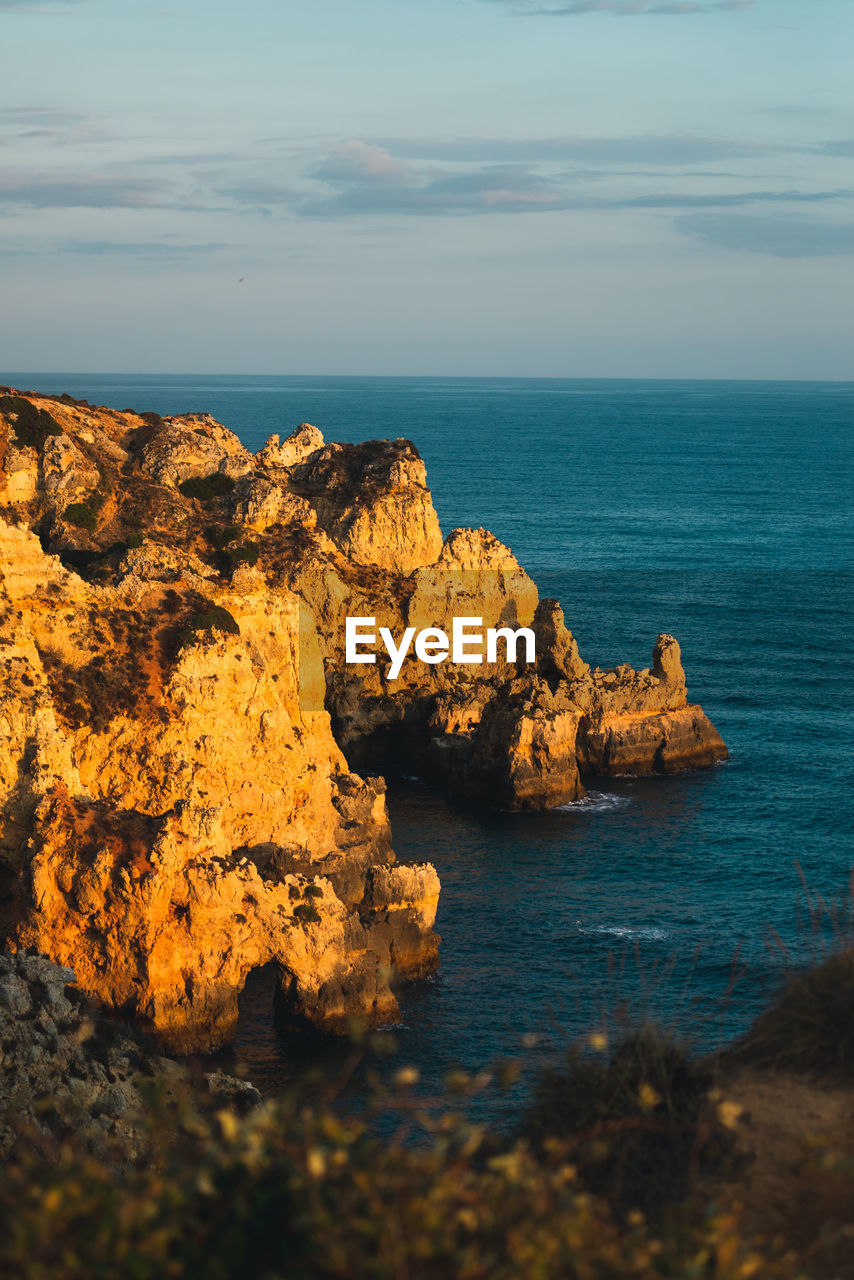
(718, 511)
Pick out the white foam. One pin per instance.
(596, 802)
(626, 932)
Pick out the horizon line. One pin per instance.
(412, 377)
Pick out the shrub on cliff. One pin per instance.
(85, 514)
(206, 488)
(31, 425)
(809, 1028)
(220, 535)
(243, 553)
(205, 622)
(637, 1121)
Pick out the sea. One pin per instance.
(718, 511)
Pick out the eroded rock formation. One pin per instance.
(179, 724)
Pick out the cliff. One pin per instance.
(178, 722)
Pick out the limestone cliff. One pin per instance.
(178, 723)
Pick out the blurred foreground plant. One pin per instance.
(303, 1191)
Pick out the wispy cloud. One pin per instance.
(360, 161)
(629, 8)
(89, 191)
(729, 199)
(659, 149)
(362, 178)
(842, 147)
(780, 235)
(23, 126)
(38, 6)
(40, 117)
(149, 250)
(359, 178)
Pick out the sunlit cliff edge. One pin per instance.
(178, 724)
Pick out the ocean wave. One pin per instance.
(625, 932)
(595, 802)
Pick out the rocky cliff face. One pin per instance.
(67, 1069)
(178, 723)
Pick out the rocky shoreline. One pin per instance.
(179, 728)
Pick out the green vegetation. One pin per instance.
(244, 553)
(307, 913)
(133, 540)
(201, 625)
(114, 681)
(85, 514)
(206, 488)
(222, 538)
(313, 891)
(32, 426)
(220, 535)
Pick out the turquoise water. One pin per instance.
(718, 511)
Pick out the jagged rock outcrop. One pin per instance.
(189, 447)
(373, 501)
(178, 726)
(618, 745)
(557, 649)
(299, 445)
(65, 1068)
(67, 474)
(641, 723)
(522, 753)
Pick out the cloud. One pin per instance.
(52, 125)
(185, 160)
(729, 199)
(36, 6)
(843, 147)
(89, 191)
(367, 179)
(260, 197)
(360, 178)
(148, 249)
(41, 117)
(360, 161)
(633, 8)
(661, 149)
(780, 235)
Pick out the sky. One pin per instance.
(527, 188)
